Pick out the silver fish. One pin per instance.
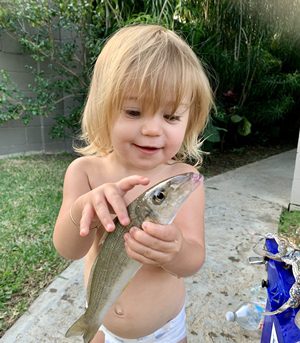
(113, 269)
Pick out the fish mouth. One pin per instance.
(184, 183)
(195, 178)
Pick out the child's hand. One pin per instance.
(155, 244)
(98, 204)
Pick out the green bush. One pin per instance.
(251, 49)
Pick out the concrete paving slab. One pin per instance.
(269, 179)
(226, 278)
(240, 205)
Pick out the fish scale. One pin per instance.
(113, 269)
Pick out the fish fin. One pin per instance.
(88, 336)
(78, 328)
(83, 327)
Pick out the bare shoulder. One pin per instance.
(83, 163)
(80, 174)
(85, 166)
(180, 168)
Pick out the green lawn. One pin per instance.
(30, 197)
(289, 223)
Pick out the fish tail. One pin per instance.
(83, 327)
(78, 328)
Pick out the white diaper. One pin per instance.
(172, 332)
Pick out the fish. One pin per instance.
(113, 268)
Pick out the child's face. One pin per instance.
(144, 139)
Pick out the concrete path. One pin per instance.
(240, 205)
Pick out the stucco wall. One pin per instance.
(15, 137)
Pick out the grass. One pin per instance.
(289, 223)
(30, 196)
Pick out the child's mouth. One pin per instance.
(147, 149)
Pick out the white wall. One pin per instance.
(295, 196)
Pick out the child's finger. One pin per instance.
(86, 220)
(116, 200)
(165, 233)
(118, 205)
(138, 257)
(127, 183)
(143, 238)
(102, 212)
(156, 249)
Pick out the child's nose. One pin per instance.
(152, 126)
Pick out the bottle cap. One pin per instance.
(230, 316)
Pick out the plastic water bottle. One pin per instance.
(247, 315)
(259, 295)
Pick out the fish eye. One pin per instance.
(158, 197)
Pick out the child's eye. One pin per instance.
(132, 113)
(171, 117)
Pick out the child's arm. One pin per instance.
(82, 209)
(178, 248)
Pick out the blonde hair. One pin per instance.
(149, 60)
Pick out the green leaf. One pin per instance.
(212, 133)
(244, 128)
(236, 118)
